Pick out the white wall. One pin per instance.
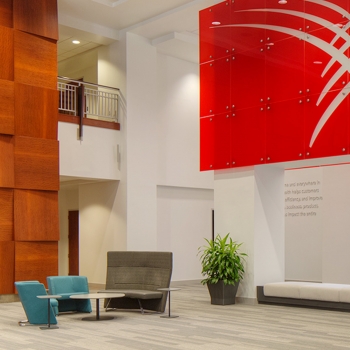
(269, 239)
(184, 220)
(304, 233)
(178, 125)
(141, 143)
(97, 156)
(318, 239)
(234, 214)
(162, 135)
(99, 230)
(249, 205)
(158, 146)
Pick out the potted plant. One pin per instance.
(222, 267)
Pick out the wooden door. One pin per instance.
(73, 238)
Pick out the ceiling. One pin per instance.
(171, 25)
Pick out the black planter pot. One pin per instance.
(222, 294)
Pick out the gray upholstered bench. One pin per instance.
(308, 294)
(138, 275)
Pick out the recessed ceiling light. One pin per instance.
(215, 23)
(282, 2)
(76, 42)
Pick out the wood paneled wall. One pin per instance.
(29, 178)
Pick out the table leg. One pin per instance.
(97, 309)
(48, 317)
(97, 317)
(48, 312)
(169, 315)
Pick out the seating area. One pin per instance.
(65, 286)
(308, 294)
(201, 326)
(138, 275)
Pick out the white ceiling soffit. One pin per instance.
(170, 24)
(179, 45)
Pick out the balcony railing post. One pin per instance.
(82, 108)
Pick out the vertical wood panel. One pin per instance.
(36, 17)
(35, 60)
(6, 214)
(6, 13)
(35, 260)
(6, 161)
(6, 53)
(36, 112)
(7, 264)
(7, 125)
(36, 215)
(36, 164)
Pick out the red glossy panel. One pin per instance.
(333, 137)
(329, 10)
(246, 36)
(285, 131)
(287, 15)
(222, 135)
(206, 143)
(321, 72)
(285, 70)
(248, 137)
(215, 87)
(215, 37)
(248, 79)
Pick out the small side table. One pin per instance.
(168, 290)
(48, 297)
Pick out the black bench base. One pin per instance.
(317, 304)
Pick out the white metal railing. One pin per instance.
(67, 98)
(99, 102)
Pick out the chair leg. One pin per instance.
(23, 323)
(109, 300)
(141, 308)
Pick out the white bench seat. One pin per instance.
(323, 295)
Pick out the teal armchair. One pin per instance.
(35, 308)
(65, 286)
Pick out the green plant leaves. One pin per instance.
(221, 260)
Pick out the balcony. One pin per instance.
(86, 103)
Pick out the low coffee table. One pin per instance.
(97, 296)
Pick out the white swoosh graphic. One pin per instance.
(335, 54)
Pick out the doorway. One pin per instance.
(73, 245)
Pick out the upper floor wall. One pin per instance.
(97, 156)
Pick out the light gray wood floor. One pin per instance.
(200, 326)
